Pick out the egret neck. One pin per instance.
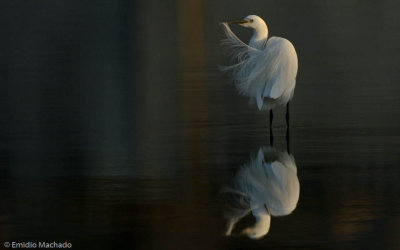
(260, 36)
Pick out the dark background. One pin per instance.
(118, 131)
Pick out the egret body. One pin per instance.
(264, 70)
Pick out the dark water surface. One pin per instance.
(118, 131)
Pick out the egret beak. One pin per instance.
(239, 21)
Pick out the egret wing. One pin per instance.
(285, 189)
(277, 68)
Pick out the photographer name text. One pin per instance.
(39, 245)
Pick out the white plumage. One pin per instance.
(267, 186)
(266, 69)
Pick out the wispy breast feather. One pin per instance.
(238, 49)
(243, 63)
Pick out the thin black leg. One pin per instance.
(271, 117)
(287, 129)
(271, 136)
(287, 140)
(287, 115)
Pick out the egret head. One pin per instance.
(251, 21)
(260, 228)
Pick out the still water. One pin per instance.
(119, 132)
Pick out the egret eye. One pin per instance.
(251, 20)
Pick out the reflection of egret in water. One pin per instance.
(266, 186)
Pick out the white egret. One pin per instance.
(267, 186)
(266, 69)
